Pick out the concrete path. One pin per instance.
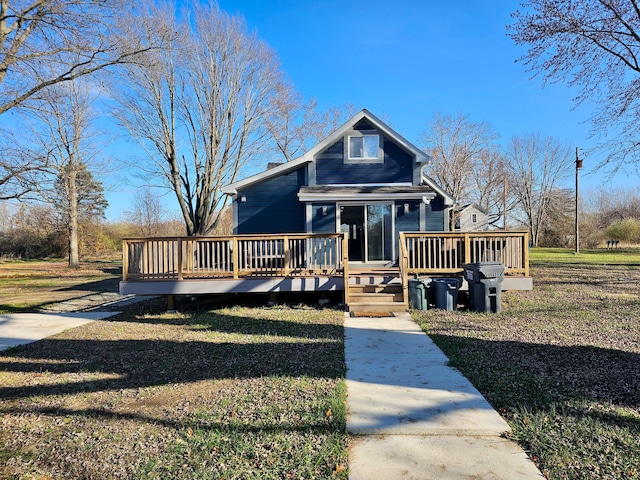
(416, 418)
(21, 328)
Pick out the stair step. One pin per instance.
(389, 289)
(377, 307)
(375, 297)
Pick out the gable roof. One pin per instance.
(462, 208)
(421, 157)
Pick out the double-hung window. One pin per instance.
(363, 148)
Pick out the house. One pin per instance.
(471, 218)
(355, 214)
(364, 180)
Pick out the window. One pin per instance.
(363, 148)
(474, 218)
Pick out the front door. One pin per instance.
(369, 232)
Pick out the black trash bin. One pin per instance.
(445, 292)
(485, 285)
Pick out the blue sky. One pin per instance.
(406, 59)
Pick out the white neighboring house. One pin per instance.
(471, 218)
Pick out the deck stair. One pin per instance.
(376, 292)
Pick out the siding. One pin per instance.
(435, 211)
(323, 223)
(410, 221)
(331, 169)
(272, 206)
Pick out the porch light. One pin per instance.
(324, 210)
(406, 208)
(243, 199)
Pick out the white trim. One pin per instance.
(364, 197)
(348, 159)
(356, 185)
(308, 220)
(287, 167)
(448, 199)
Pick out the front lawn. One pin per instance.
(230, 393)
(561, 363)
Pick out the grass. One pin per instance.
(29, 285)
(228, 393)
(560, 363)
(562, 257)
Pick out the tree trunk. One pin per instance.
(74, 257)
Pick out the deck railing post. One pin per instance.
(345, 267)
(467, 248)
(525, 253)
(179, 246)
(125, 260)
(235, 254)
(287, 256)
(403, 264)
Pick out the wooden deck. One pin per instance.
(306, 262)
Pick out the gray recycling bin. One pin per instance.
(418, 294)
(446, 292)
(485, 285)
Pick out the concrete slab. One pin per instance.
(439, 458)
(21, 328)
(398, 383)
(420, 418)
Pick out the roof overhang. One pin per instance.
(232, 188)
(353, 194)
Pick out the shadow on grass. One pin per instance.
(98, 286)
(139, 363)
(534, 376)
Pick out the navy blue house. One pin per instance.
(364, 179)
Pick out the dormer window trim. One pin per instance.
(365, 157)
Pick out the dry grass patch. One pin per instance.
(30, 285)
(229, 393)
(561, 364)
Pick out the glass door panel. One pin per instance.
(379, 233)
(352, 223)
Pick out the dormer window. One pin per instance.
(363, 148)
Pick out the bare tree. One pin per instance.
(200, 108)
(490, 186)
(147, 212)
(298, 125)
(456, 145)
(62, 134)
(537, 166)
(45, 43)
(593, 45)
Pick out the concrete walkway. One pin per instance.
(20, 328)
(416, 418)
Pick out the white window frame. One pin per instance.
(355, 134)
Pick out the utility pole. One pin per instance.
(578, 167)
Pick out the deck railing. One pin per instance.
(446, 252)
(180, 258)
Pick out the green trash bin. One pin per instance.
(485, 285)
(417, 294)
(445, 292)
